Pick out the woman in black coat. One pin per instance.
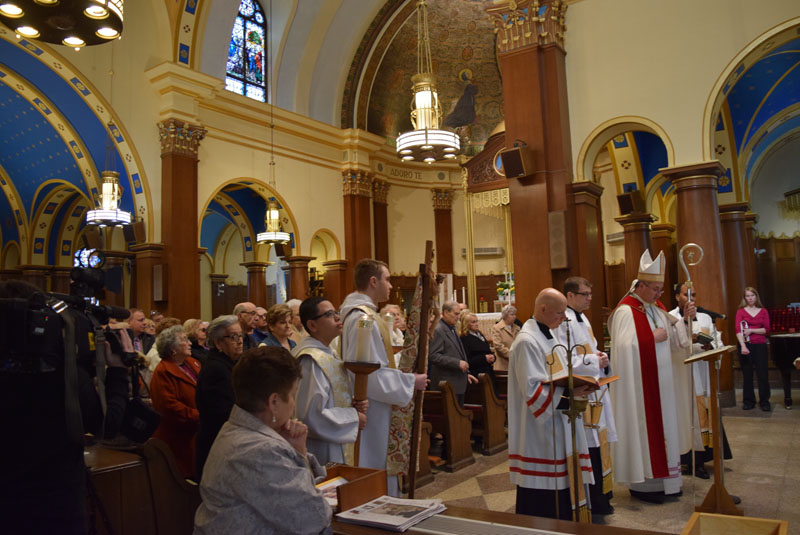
(476, 346)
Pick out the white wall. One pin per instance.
(778, 174)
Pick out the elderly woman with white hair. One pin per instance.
(503, 334)
(172, 390)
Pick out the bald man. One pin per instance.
(538, 464)
(247, 316)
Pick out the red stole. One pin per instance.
(650, 388)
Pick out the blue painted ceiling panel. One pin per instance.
(652, 154)
(211, 227)
(7, 223)
(53, 243)
(771, 138)
(252, 204)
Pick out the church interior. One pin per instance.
(588, 132)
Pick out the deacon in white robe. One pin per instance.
(386, 386)
(652, 400)
(324, 395)
(539, 463)
(594, 363)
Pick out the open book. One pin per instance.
(559, 375)
(395, 514)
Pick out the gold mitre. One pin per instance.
(651, 270)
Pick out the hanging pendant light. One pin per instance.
(426, 142)
(75, 23)
(272, 217)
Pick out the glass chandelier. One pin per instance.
(426, 142)
(107, 212)
(74, 23)
(272, 217)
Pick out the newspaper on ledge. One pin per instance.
(395, 514)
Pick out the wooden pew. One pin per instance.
(441, 409)
(501, 378)
(488, 415)
(175, 499)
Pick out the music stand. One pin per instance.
(717, 500)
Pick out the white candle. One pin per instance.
(455, 296)
(362, 338)
(463, 295)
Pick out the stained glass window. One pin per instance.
(246, 66)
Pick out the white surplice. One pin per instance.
(533, 417)
(705, 325)
(329, 427)
(385, 387)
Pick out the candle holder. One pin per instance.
(361, 368)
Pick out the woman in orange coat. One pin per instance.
(172, 390)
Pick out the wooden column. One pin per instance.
(37, 275)
(298, 273)
(179, 222)
(531, 58)
(119, 262)
(698, 222)
(218, 302)
(59, 279)
(588, 240)
(636, 231)
(357, 188)
(443, 225)
(734, 224)
(662, 236)
(751, 271)
(148, 255)
(256, 282)
(380, 219)
(335, 281)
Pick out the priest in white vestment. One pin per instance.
(539, 436)
(325, 392)
(388, 385)
(652, 399)
(593, 362)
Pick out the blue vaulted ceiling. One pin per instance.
(762, 94)
(36, 156)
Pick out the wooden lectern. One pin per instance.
(717, 500)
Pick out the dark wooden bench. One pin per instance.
(501, 378)
(441, 409)
(488, 415)
(424, 474)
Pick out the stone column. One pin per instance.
(59, 279)
(298, 274)
(636, 231)
(37, 275)
(148, 255)
(443, 228)
(734, 223)
(380, 219)
(698, 222)
(531, 58)
(335, 281)
(588, 240)
(256, 282)
(179, 222)
(357, 188)
(662, 235)
(218, 301)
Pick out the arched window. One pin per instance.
(247, 53)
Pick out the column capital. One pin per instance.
(635, 219)
(255, 266)
(296, 260)
(335, 265)
(524, 23)
(356, 182)
(693, 176)
(662, 230)
(733, 211)
(442, 199)
(218, 277)
(180, 138)
(380, 191)
(586, 192)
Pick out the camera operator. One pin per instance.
(43, 484)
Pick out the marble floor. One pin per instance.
(763, 472)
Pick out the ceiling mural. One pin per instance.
(465, 65)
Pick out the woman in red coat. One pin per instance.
(172, 390)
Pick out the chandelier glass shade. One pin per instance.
(107, 212)
(74, 23)
(272, 222)
(427, 142)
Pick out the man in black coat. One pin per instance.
(214, 395)
(448, 361)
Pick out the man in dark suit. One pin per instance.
(448, 361)
(142, 341)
